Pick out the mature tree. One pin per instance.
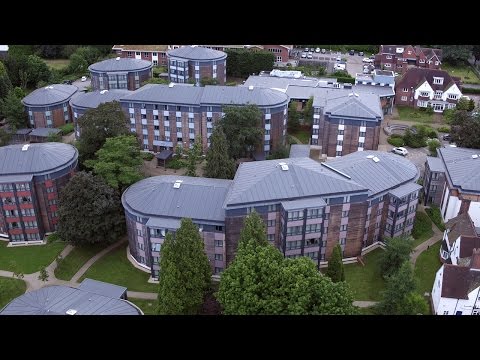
(78, 65)
(68, 50)
(89, 53)
(43, 275)
(397, 251)
(219, 165)
(433, 145)
(5, 83)
(463, 104)
(243, 62)
(465, 129)
(308, 112)
(193, 156)
(49, 51)
(89, 211)
(107, 120)
(12, 108)
(118, 162)
(54, 137)
(413, 304)
(5, 137)
(242, 128)
(20, 50)
(37, 70)
(261, 281)
(185, 272)
(208, 81)
(293, 117)
(279, 152)
(455, 54)
(476, 52)
(398, 298)
(335, 270)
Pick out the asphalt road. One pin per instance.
(82, 85)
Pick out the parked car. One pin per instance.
(304, 55)
(339, 58)
(367, 60)
(447, 137)
(67, 82)
(360, 53)
(309, 55)
(306, 49)
(323, 51)
(317, 50)
(372, 57)
(352, 52)
(84, 78)
(312, 49)
(400, 151)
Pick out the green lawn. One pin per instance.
(116, 269)
(302, 135)
(29, 259)
(426, 267)
(148, 306)
(411, 114)
(422, 228)
(10, 288)
(57, 63)
(463, 71)
(423, 237)
(366, 281)
(74, 261)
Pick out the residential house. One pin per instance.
(399, 58)
(156, 54)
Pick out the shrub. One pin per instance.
(432, 134)
(395, 141)
(422, 225)
(342, 79)
(466, 90)
(444, 129)
(176, 164)
(436, 216)
(429, 110)
(433, 145)
(147, 156)
(67, 128)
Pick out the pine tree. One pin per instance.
(335, 270)
(184, 272)
(219, 165)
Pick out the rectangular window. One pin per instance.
(271, 223)
(295, 215)
(314, 213)
(345, 213)
(271, 237)
(219, 257)
(218, 243)
(218, 228)
(362, 134)
(338, 153)
(341, 132)
(218, 270)
(343, 227)
(343, 241)
(404, 98)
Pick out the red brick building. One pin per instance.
(399, 58)
(156, 54)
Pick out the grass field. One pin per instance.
(302, 135)
(148, 306)
(57, 63)
(115, 268)
(29, 259)
(411, 114)
(426, 268)
(465, 72)
(9, 289)
(74, 261)
(366, 281)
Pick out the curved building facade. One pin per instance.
(82, 102)
(165, 116)
(48, 107)
(120, 73)
(196, 62)
(31, 177)
(308, 207)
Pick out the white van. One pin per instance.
(338, 66)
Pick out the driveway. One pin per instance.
(82, 85)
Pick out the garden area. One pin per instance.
(415, 114)
(148, 306)
(463, 71)
(75, 260)
(10, 288)
(422, 228)
(57, 64)
(426, 267)
(302, 134)
(366, 281)
(416, 137)
(29, 259)
(434, 213)
(115, 268)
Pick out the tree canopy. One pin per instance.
(96, 125)
(335, 270)
(89, 211)
(185, 272)
(219, 164)
(12, 108)
(243, 62)
(118, 162)
(455, 54)
(397, 251)
(243, 130)
(465, 129)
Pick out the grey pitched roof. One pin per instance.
(362, 105)
(167, 223)
(165, 94)
(435, 164)
(242, 95)
(197, 53)
(303, 203)
(391, 171)
(23, 131)
(120, 64)
(297, 150)
(50, 95)
(102, 288)
(197, 198)
(274, 82)
(37, 159)
(44, 132)
(405, 189)
(266, 181)
(91, 100)
(374, 89)
(462, 170)
(58, 299)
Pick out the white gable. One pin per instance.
(424, 87)
(452, 90)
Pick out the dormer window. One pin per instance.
(405, 89)
(438, 80)
(424, 93)
(452, 96)
(422, 61)
(389, 57)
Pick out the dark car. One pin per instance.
(68, 82)
(352, 52)
(360, 53)
(447, 137)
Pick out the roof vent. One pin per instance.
(177, 184)
(474, 156)
(250, 87)
(193, 46)
(103, 92)
(171, 85)
(370, 156)
(117, 58)
(284, 166)
(25, 147)
(48, 87)
(375, 159)
(71, 312)
(356, 95)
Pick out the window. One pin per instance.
(404, 98)
(294, 230)
(433, 187)
(343, 227)
(156, 127)
(361, 144)
(167, 128)
(424, 93)
(343, 241)
(25, 200)
(388, 65)
(314, 213)
(155, 260)
(218, 270)
(345, 213)
(338, 153)
(294, 244)
(295, 215)
(139, 232)
(272, 208)
(218, 228)
(218, 243)
(341, 132)
(445, 313)
(156, 247)
(312, 228)
(50, 189)
(312, 242)
(219, 257)
(137, 53)
(379, 212)
(341, 122)
(340, 142)
(438, 80)
(209, 119)
(405, 89)
(271, 223)
(388, 57)
(271, 237)
(452, 96)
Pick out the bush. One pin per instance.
(433, 145)
(147, 156)
(53, 237)
(429, 110)
(436, 216)
(176, 164)
(444, 129)
(432, 134)
(466, 90)
(422, 225)
(342, 79)
(395, 141)
(67, 128)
